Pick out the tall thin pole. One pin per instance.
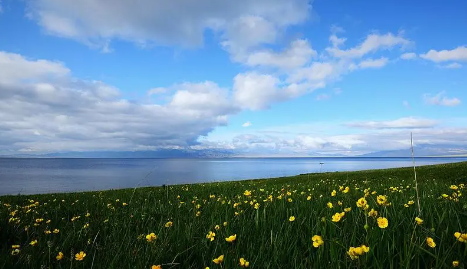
(415, 173)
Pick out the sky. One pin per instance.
(257, 78)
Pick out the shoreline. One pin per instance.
(382, 170)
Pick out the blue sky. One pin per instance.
(260, 78)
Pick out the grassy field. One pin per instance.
(305, 221)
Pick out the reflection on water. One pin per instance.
(27, 176)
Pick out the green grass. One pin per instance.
(116, 236)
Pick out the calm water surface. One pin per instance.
(30, 176)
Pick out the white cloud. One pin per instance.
(457, 54)
(317, 71)
(298, 54)
(336, 29)
(373, 63)
(45, 109)
(336, 41)
(246, 124)
(380, 136)
(157, 90)
(372, 43)
(409, 56)
(440, 99)
(202, 99)
(96, 22)
(451, 66)
(401, 123)
(256, 91)
(17, 68)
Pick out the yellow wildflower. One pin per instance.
(168, 224)
(80, 256)
(333, 193)
(33, 243)
(419, 221)
(382, 222)
(244, 263)
(430, 242)
(151, 237)
(59, 256)
(362, 203)
(231, 238)
(219, 259)
(15, 252)
(337, 217)
(461, 237)
(247, 193)
(373, 213)
(455, 263)
(211, 235)
(156, 267)
(329, 204)
(354, 252)
(292, 218)
(317, 241)
(381, 199)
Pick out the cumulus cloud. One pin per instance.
(402, 123)
(371, 44)
(451, 66)
(17, 68)
(441, 99)
(374, 139)
(336, 41)
(298, 54)
(157, 90)
(457, 54)
(373, 63)
(256, 91)
(409, 56)
(246, 124)
(45, 109)
(180, 22)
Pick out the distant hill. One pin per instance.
(422, 151)
(163, 153)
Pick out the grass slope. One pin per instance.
(112, 227)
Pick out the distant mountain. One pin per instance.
(162, 153)
(422, 151)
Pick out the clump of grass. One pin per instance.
(274, 221)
